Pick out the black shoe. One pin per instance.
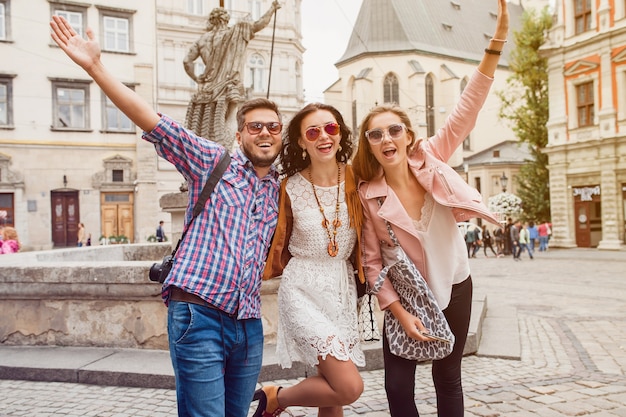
(262, 398)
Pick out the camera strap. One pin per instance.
(210, 184)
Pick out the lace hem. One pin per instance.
(311, 349)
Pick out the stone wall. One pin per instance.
(96, 296)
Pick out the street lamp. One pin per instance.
(504, 181)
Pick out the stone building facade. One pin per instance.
(421, 55)
(67, 155)
(586, 52)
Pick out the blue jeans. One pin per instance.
(526, 246)
(216, 358)
(516, 249)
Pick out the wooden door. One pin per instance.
(65, 218)
(117, 215)
(583, 223)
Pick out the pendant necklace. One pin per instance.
(333, 249)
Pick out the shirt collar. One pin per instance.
(244, 161)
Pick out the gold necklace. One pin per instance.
(333, 249)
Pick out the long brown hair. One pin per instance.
(291, 156)
(365, 165)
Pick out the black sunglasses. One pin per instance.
(254, 128)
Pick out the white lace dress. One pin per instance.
(317, 293)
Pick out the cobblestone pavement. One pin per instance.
(571, 310)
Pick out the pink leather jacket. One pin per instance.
(428, 164)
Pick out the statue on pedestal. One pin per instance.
(220, 86)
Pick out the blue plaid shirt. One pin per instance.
(223, 255)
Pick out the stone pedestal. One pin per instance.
(175, 204)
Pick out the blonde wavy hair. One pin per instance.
(9, 233)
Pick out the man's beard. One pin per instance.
(261, 161)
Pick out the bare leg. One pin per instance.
(337, 383)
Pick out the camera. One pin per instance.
(159, 271)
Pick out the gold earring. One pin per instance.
(303, 154)
(340, 149)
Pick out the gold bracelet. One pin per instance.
(492, 52)
(498, 40)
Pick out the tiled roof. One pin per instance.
(457, 28)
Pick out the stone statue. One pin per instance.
(220, 87)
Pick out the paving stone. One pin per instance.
(561, 371)
(547, 399)
(543, 390)
(574, 408)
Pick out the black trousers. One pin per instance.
(446, 373)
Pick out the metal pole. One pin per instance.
(269, 80)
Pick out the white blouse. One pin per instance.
(444, 248)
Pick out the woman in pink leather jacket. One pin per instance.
(409, 184)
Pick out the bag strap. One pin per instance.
(383, 273)
(210, 184)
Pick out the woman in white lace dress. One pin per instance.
(318, 227)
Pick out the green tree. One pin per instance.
(525, 105)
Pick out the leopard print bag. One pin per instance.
(417, 298)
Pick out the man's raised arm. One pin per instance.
(86, 53)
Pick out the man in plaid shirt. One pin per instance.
(213, 290)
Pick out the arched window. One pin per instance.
(256, 72)
(391, 94)
(430, 106)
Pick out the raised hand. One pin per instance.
(489, 63)
(85, 53)
(502, 22)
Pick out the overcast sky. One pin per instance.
(326, 29)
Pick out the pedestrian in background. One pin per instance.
(478, 241)
(470, 241)
(160, 233)
(508, 244)
(320, 217)
(543, 230)
(213, 289)
(81, 235)
(533, 235)
(10, 242)
(487, 241)
(398, 190)
(516, 249)
(524, 240)
(498, 233)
